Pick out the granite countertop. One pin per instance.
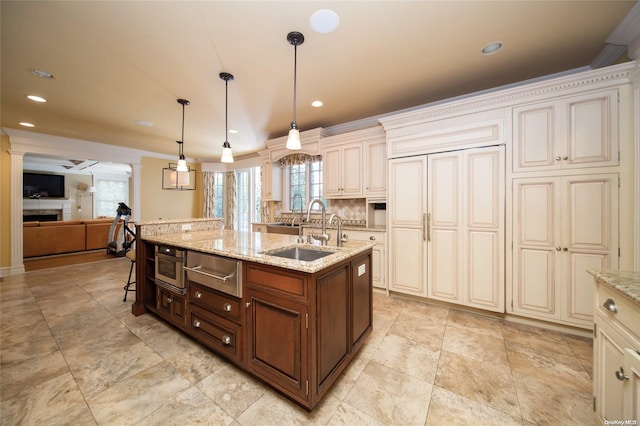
(255, 246)
(625, 282)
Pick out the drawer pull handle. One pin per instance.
(169, 300)
(621, 376)
(227, 307)
(610, 305)
(198, 295)
(372, 238)
(196, 324)
(226, 340)
(197, 270)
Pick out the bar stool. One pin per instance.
(131, 255)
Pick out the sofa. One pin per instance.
(65, 236)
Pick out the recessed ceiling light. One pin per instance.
(233, 131)
(35, 98)
(324, 21)
(25, 124)
(144, 123)
(40, 73)
(491, 48)
(316, 104)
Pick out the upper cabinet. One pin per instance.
(271, 181)
(571, 132)
(354, 164)
(342, 171)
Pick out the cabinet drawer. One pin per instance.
(224, 305)
(217, 333)
(626, 314)
(277, 280)
(377, 237)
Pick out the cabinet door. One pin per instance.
(375, 167)
(277, 337)
(172, 306)
(572, 132)
(535, 220)
(632, 385)
(378, 269)
(331, 172)
(407, 225)
(466, 227)
(351, 171)
(271, 182)
(608, 358)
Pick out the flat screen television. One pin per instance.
(42, 185)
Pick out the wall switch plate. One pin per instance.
(186, 227)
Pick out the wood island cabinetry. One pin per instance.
(302, 330)
(295, 330)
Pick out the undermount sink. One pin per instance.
(301, 253)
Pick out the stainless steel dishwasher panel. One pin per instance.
(216, 272)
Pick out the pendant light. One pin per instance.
(179, 176)
(227, 155)
(293, 141)
(182, 163)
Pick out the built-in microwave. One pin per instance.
(169, 263)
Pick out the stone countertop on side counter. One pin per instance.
(255, 247)
(625, 282)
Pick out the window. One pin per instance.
(110, 192)
(248, 190)
(218, 188)
(305, 184)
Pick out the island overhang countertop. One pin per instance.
(256, 246)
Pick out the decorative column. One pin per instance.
(135, 180)
(17, 261)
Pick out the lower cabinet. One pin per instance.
(172, 306)
(303, 329)
(616, 358)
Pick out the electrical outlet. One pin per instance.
(186, 227)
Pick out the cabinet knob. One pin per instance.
(610, 305)
(558, 158)
(621, 376)
(227, 307)
(226, 340)
(565, 158)
(372, 238)
(565, 249)
(169, 300)
(196, 324)
(558, 248)
(247, 304)
(198, 295)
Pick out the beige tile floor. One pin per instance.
(71, 353)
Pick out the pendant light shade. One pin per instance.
(227, 155)
(293, 141)
(179, 176)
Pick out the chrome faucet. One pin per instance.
(324, 237)
(341, 239)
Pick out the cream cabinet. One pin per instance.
(342, 171)
(571, 132)
(378, 259)
(562, 226)
(375, 169)
(616, 357)
(446, 227)
(271, 181)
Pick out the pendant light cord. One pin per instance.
(226, 110)
(295, 78)
(181, 154)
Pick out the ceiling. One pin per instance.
(117, 63)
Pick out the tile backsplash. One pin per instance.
(352, 211)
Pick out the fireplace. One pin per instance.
(46, 210)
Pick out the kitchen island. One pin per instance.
(294, 324)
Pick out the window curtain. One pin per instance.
(265, 215)
(230, 179)
(208, 179)
(298, 158)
